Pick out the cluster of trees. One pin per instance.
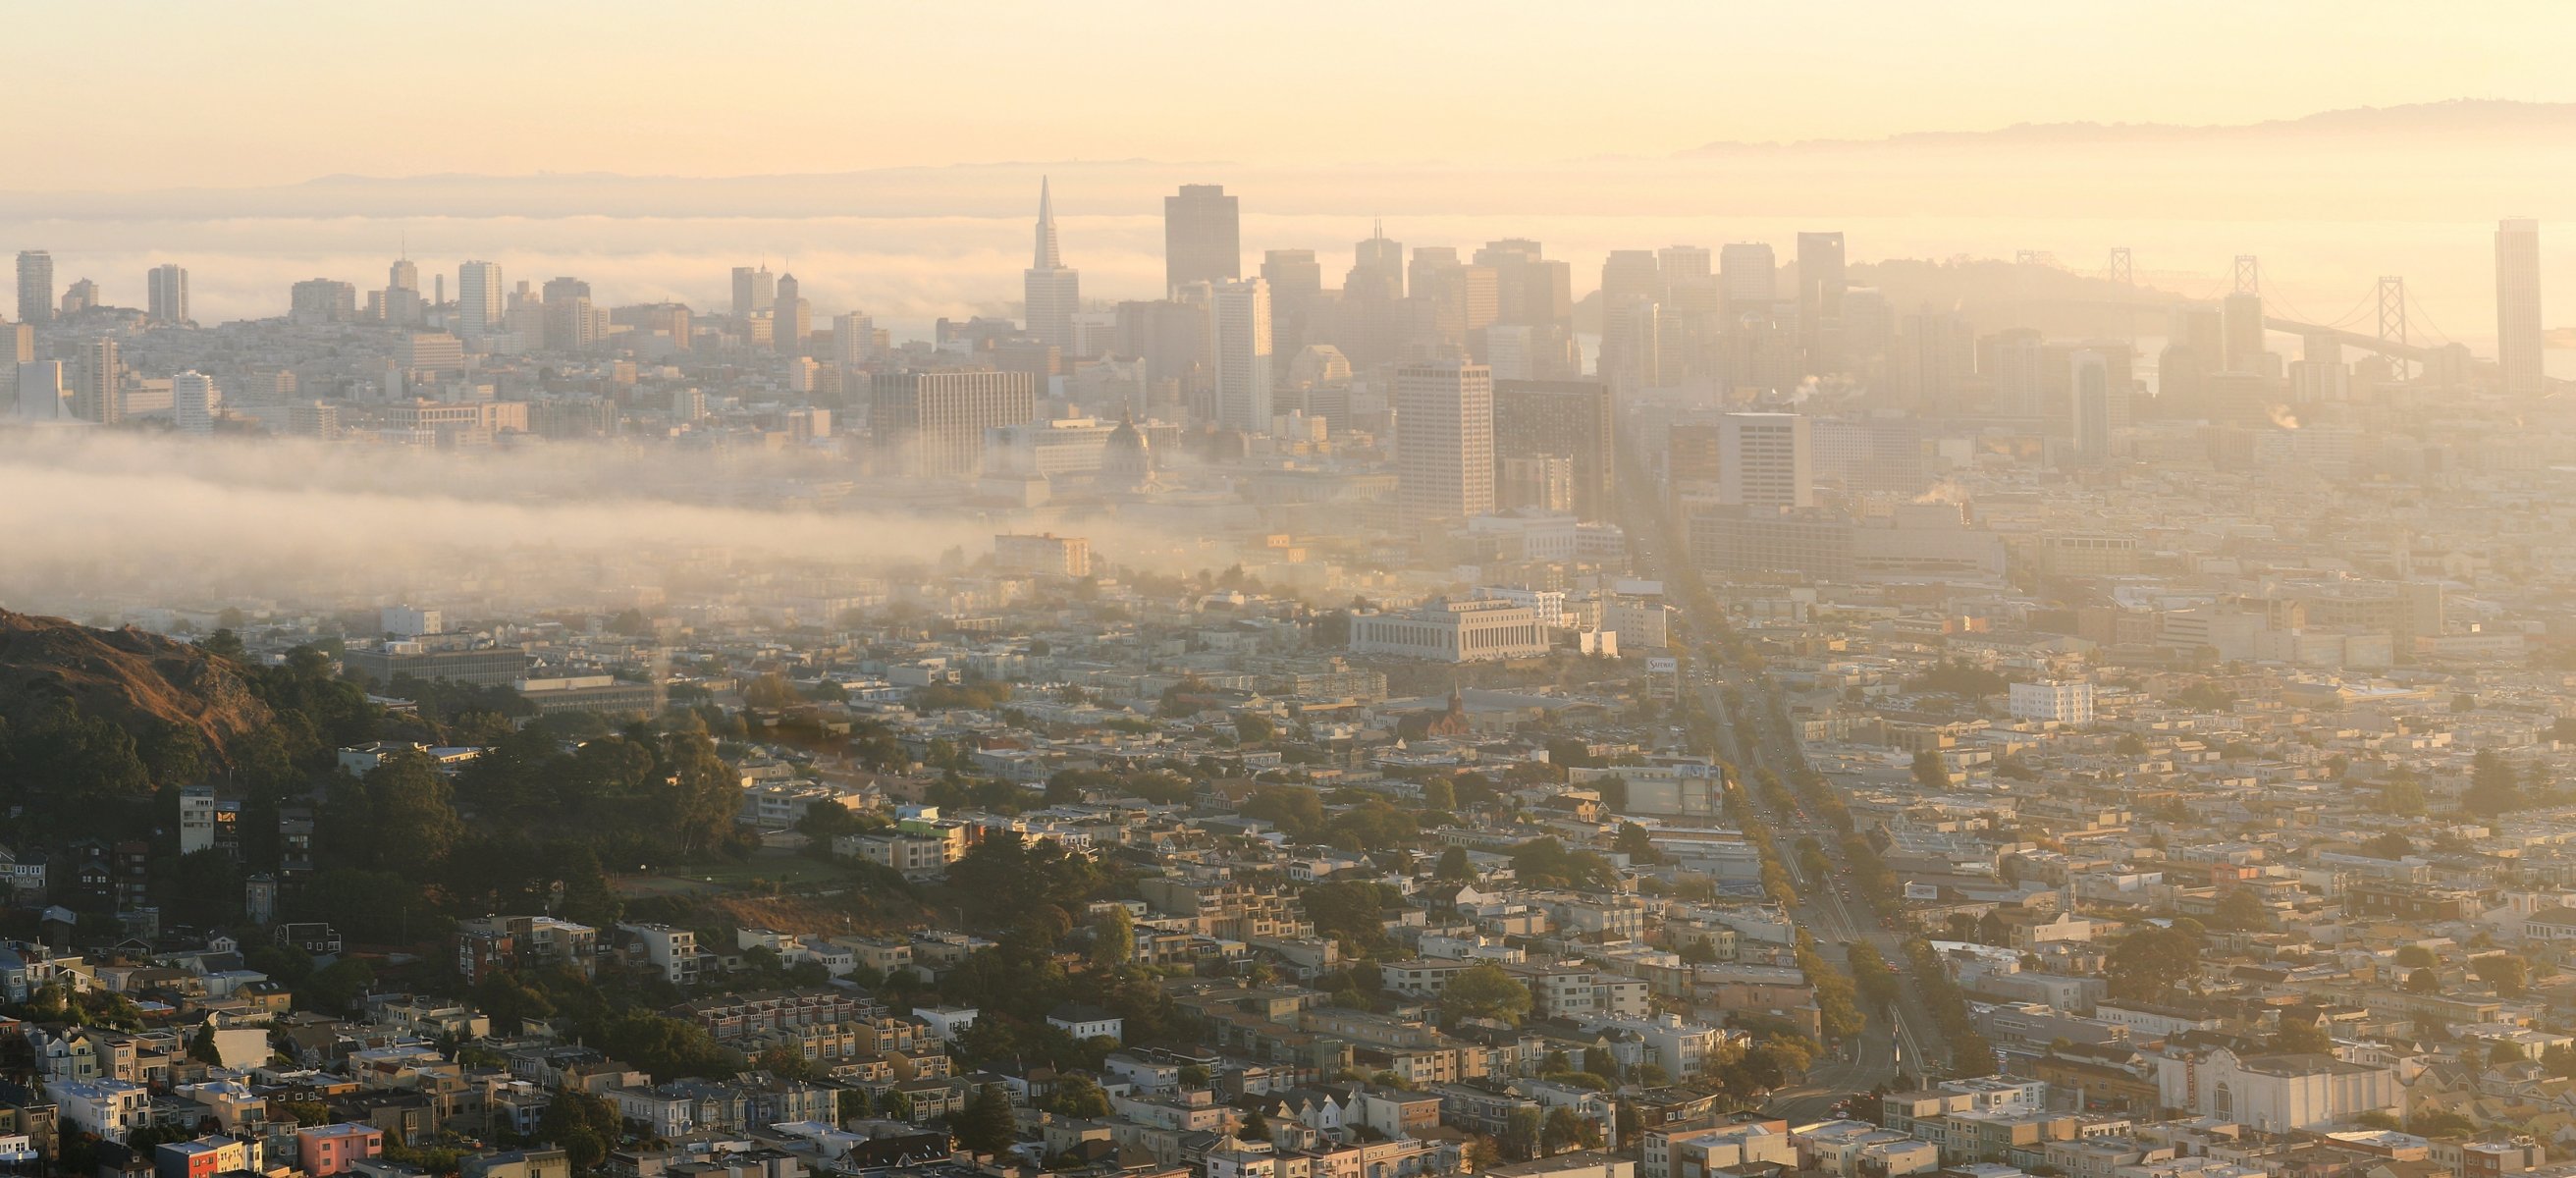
(2241, 910)
(2301, 1030)
(1870, 873)
(1485, 991)
(1812, 862)
(2401, 794)
(986, 1125)
(1163, 787)
(1367, 821)
(56, 1004)
(1637, 843)
(1970, 1054)
(466, 713)
(1353, 912)
(1837, 998)
(1010, 881)
(942, 697)
(644, 793)
(1957, 678)
(2205, 696)
(582, 1125)
(1781, 1053)
(1545, 862)
(1776, 882)
(2391, 845)
(2147, 964)
(1823, 800)
(1529, 1134)
(2422, 967)
(2507, 973)
(2496, 787)
(1871, 974)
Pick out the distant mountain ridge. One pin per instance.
(2457, 116)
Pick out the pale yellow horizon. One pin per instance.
(129, 96)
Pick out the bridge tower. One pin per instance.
(2249, 275)
(2392, 318)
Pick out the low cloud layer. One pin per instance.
(106, 524)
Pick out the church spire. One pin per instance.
(1048, 256)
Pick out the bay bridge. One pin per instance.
(2381, 322)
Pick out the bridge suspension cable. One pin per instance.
(2416, 311)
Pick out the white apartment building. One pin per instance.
(2055, 701)
(674, 951)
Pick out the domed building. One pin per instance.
(1127, 460)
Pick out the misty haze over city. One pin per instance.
(1135, 590)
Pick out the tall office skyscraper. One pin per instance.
(1748, 275)
(1936, 354)
(1054, 290)
(2090, 410)
(1630, 272)
(1821, 283)
(1570, 419)
(2517, 247)
(566, 314)
(1529, 289)
(1202, 237)
(2242, 317)
(791, 317)
(754, 289)
(192, 402)
(1765, 461)
(165, 294)
(40, 390)
(400, 302)
(1444, 450)
(1631, 343)
(1377, 269)
(1239, 338)
(98, 393)
(1676, 265)
(854, 338)
(1296, 290)
(1422, 275)
(35, 287)
(481, 304)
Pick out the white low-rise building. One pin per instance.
(105, 1108)
(1453, 632)
(2274, 1093)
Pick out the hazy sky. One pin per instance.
(148, 95)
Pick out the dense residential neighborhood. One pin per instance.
(1213, 894)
